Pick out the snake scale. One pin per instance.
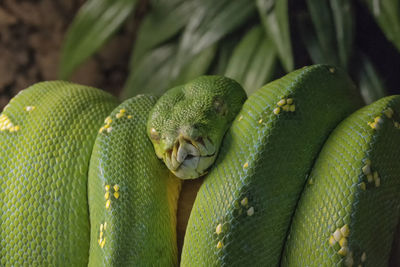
(303, 174)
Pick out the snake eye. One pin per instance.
(220, 106)
(154, 134)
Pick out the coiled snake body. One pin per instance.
(81, 182)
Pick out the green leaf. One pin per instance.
(152, 74)
(95, 23)
(253, 60)
(309, 39)
(321, 17)
(198, 66)
(209, 24)
(369, 82)
(163, 22)
(262, 67)
(274, 15)
(343, 18)
(243, 54)
(225, 51)
(387, 15)
(333, 22)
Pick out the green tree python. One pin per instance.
(303, 176)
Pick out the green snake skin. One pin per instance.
(348, 212)
(188, 123)
(132, 195)
(243, 209)
(47, 134)
(69, 151)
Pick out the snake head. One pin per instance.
(187, 124)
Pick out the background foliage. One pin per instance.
(251, 41)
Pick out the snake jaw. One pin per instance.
(189, 159)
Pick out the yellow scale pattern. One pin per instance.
(43, 168)
(132, 191)
(355, 194)
(253, 188)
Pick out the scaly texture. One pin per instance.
(243, 209)
(46, 134)
(242, 214)
(348, 212)
(188, 122)
(132, 195)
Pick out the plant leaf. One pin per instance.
(198, 66)
(274, 15)
(95, 23)
(310, 39)
(152, 74)
(253, 60)
(369, 82)
(224, 53)
(344, 24)
(208, 24)
(387, 15)
(243, 54)
(160, 24)
(262, 67)
(321, 16)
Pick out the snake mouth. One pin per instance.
(189, 159)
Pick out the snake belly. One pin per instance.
(243, 210)
(348, 212)
(132, 195)
(46, 134)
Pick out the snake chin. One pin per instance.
(190, 159)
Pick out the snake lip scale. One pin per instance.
(188, 154)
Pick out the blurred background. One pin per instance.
(129, 47)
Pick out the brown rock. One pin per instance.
(7, 67)
(27, 12)
(21, 58)
(48, 64)
(25, 79)
(31, 37)
(3, 101)
(88, 74)
(6, 18)
(115, 52)
(53, 18)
